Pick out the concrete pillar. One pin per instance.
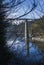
(27, 36)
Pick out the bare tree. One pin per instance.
(5, 7)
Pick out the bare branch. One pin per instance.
(34, 6)
(13, 5)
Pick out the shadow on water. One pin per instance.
(18, 48)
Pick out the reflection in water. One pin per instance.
(19, 47)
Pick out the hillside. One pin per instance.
(37, 28)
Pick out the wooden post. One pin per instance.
(27, 37)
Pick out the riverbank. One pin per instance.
(39, 42)
(37, 39)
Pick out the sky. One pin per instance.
(25, 7)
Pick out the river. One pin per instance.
(17, 46)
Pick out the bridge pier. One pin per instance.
(27, 37)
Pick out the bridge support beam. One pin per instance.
(27, 36)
